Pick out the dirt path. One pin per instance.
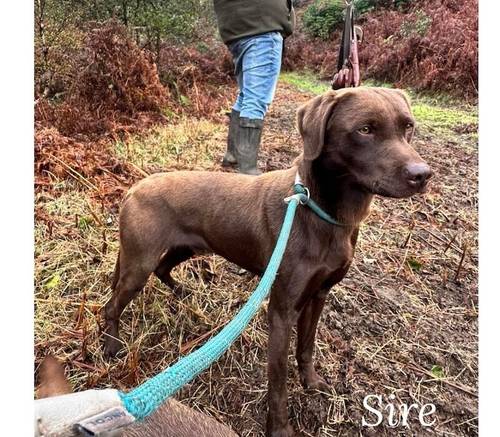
(404, 321)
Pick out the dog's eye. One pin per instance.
(365, 130)
(409, 125)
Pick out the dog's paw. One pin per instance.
(282, 432)
(312, 381)
(112, 347)
(179, 290)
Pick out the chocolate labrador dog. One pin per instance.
(356, 145)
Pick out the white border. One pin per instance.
(489, 241)
(16, 218)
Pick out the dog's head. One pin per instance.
(365, 133)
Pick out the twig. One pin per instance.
(93, 214)
(410, 232)
(402, 262)
(104, 248)
(77, 176)
(461, 261)
(115, 177)
(86, 366)
(443, 240)
(140, 170)
(190, 344)
(450, 243)
(423, 240)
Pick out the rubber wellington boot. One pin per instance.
(247, 145)
(229, 159)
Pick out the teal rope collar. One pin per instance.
(303, 191)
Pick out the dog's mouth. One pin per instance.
(420, 188)
(399, 190)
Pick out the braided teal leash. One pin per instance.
(145, 399)
(97, 411)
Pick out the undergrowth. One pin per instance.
(426, 45)
(186, 144)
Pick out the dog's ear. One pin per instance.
(312, 120)
(405, 96)
(53, 382)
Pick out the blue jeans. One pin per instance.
(257, 64)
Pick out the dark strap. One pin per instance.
(298, 188)
(347, 74)
(347, 36)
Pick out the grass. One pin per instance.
(305, 82)
(447, 123)
(188, 144)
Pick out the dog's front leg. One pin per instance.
(306, 334)
(279, 340)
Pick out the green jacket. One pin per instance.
(239, 18)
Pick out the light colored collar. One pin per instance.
(298, 179)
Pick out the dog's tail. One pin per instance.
(116, 273)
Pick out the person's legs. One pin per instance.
(257, 65)
(238, 71)
(261, 66)
(230, 157)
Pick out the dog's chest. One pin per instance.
(338, 254)
(332, 252)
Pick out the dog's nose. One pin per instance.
(417, 173)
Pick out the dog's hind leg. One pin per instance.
(130, 280)
(173, 257)
(306, 334)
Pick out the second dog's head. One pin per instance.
(365, 133)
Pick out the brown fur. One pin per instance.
(172, 419)
(52, 379)
(168, 217)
